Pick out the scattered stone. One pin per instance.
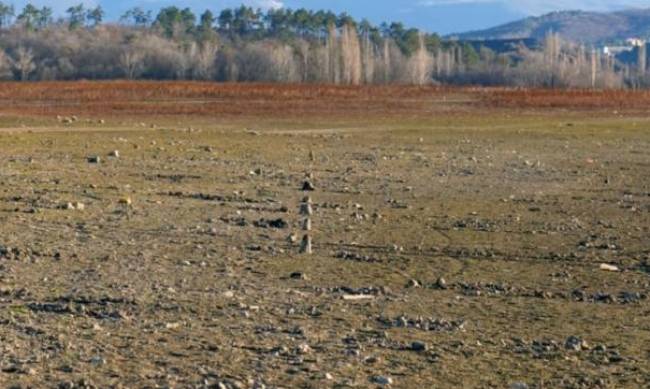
(381, 380)
(419, 346)
(575, 343)
(606, 267)
(351, 256)
(306, 209)
(292, 239)
(441, 283)
(94, 159)
(73, 206)
(114, 154)
(413, 284)
(356, 297)
(303, 349)
(425, 324)
(305, 246)
(274, 223)
(307, 186)
(125, 201)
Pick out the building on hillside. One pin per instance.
(635, 42)
(627, 50)
(613, 51)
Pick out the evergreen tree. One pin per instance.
(95, 15)
(7, 12)
(76, 16)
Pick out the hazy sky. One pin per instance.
(442, 16)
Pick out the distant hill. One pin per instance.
(578, 26)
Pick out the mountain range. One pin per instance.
(578, 26)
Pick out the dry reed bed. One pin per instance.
(93, 98)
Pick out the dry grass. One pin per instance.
(212, 99)
(571, 99)
(209, 99)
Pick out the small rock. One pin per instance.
(574, 343)
(305, 245)
(97, 360)
(441, 283)
(306, 209)
(125, 201)
(308, 186)
(381, 380)
(371, 360)
(419, 346)
(303, 349)
(93, 159)
(519, 385)
(413, 284)
(306, 224)
(297, 276)
(606, 267)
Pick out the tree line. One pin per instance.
(281, 45)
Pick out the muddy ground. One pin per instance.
(455, 245)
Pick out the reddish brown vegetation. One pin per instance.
(575, 99)
(199, 98)
(278, 100)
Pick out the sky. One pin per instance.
(441, 16)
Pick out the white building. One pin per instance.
(635, 42)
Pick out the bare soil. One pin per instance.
(458, 242)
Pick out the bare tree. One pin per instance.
(386, 60)
(204, 57)
(5, 65)
(131, 62)
(24, 62)
(333, 56)
(284, 63)
(304, 51)
(344, 56)
(350, 55)
(421, 64)
(368, 50)
(594, 68)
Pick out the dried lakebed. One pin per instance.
(468, 258)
